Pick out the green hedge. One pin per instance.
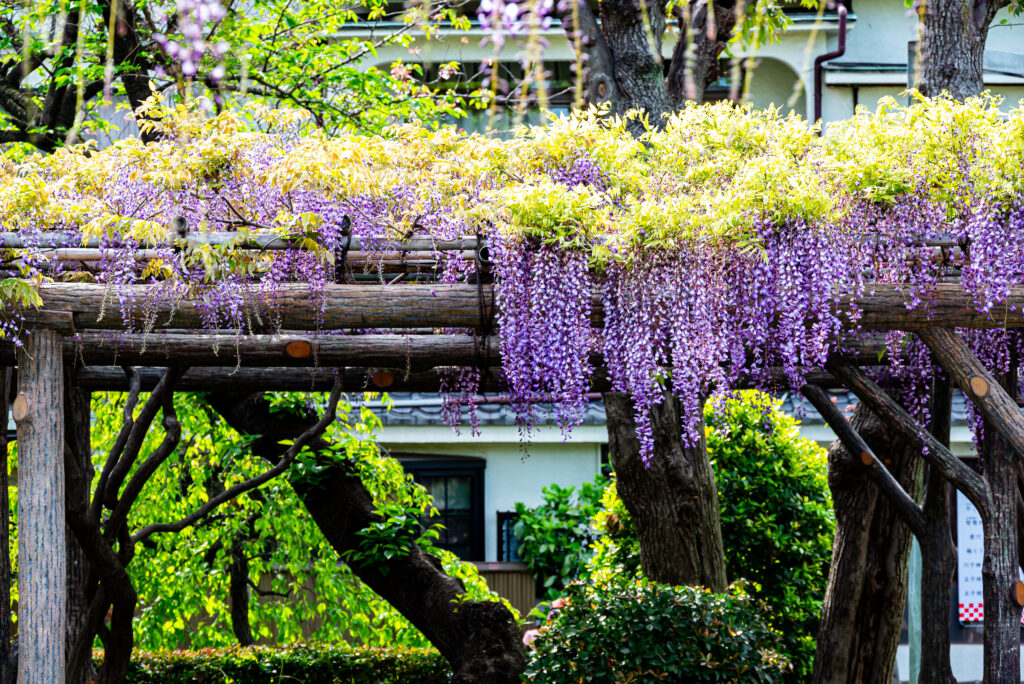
(306, 664)
(632, 631)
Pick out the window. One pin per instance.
(508, 543)
(606, 461)
(457, 487)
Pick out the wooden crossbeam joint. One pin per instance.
(21, 408)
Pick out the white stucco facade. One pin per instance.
(512, 473)
(874, 65)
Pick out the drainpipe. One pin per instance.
(820, 60)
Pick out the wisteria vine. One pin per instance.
(716, 253)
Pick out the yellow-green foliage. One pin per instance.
(711, 173)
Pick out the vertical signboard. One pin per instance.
(970, 546)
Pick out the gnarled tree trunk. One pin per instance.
(867, 583)
(621, 50)
(673, 501)
(953, 34)
(480, 640)
(78, 443)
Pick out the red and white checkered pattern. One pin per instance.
(972, 612)
(975, 612)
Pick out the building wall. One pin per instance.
(510, 475)
(875, 63)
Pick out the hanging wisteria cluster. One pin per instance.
(193, 18)
(725, 249)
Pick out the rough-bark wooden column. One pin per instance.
(6, 668)
(38, 411)
(1003, 444)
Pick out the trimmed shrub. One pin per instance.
(555, 537)
(334, 664)
(632, 630)
(777, 518)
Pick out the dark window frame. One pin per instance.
(457, 467)
(503, 517)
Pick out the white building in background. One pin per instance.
(477, 480)
(879, 34)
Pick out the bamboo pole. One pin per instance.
(42, 557)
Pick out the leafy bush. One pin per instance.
(777, 519)
(555, 537)
(632, 630)
(776, 510)
(306, 664)
(617, 549)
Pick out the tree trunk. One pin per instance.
(695, 57)
(634, 38)
(867, 583)
(238, 576)
(953, 34)
(1000, 566)
(76, 431)
(42, 559)
(620, 49)
(480, 640)
(938, 554)
(673, 501)
(7, 669)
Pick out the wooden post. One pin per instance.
(937, 552)
(38, 411)
(999, 567)
(1003, 435)
(6, 670)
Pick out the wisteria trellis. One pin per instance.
(718, 249)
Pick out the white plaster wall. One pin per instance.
(771, 81)
(878, 35)
(966, 660)
(881, 33)
(510, 476)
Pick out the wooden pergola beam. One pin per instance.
(908, 509)
(295, 349)
(80, 306)
(159, 348)
(980, 386)
(319, 379)
(284, 379)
